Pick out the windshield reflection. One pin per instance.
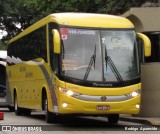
(99, 55)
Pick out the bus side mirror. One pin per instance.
(147, 44)
(56, 41)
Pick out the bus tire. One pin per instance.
(11, 108)
(26, 112)
(44, 101)
(17, 110)
(49, 115)
(113, 118)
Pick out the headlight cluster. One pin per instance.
(135, 93)
(68, 92)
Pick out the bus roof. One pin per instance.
(92, 20)
(80, 19)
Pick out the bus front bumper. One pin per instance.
(71, 105)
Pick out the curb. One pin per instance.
(140, 120)
(1, 116)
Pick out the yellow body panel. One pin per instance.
(86, 107)
(103, 91)
(78, 106)
(27, 79)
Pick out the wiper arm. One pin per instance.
(106, 57)
(113, 67)
(92, 60)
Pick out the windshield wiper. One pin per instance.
(92, 60)
(113, 67)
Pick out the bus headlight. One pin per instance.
(135, 93)
(64, 105)
(68, 92)
(137, 106)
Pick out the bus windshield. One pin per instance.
(99, 55)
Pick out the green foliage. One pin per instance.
(26, 12)
(3, 46)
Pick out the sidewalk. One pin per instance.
(144, 120)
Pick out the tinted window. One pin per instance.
(29, 47)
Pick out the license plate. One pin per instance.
(103, 107)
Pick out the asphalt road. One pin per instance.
(75, 125)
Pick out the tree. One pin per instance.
(17, 12)
(26, 12)
(2, 46)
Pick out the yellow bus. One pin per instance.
(76, 64)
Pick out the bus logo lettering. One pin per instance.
(103, 98)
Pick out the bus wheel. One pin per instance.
(11, 109)
(49, 116)
(113, 118)
(27, 112)
(17, 110)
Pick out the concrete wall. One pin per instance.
(145, 19)
(150, 101)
